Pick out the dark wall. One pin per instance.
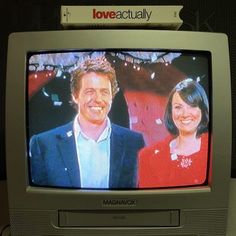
(38, 15)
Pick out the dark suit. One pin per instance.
(53, 158)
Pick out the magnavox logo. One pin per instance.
(143, 14)
(119, 202)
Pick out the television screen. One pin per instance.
(118, 132)
(163, 95)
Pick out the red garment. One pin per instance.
(158, 168)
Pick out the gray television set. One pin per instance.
(148, 64)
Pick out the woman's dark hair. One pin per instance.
(192, 93)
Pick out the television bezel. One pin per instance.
(22, 195)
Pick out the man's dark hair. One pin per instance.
(97, 65)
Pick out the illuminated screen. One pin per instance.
(119, 119)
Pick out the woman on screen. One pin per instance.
(182, 158)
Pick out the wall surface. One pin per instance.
(4, 215)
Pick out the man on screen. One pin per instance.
(90, 151)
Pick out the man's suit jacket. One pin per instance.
(53, 158)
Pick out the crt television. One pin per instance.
(149, 64)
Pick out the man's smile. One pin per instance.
(96, 108)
